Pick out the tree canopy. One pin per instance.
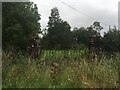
(111, 40)
(20, 22)
(59, 35)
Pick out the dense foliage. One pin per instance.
(20, 22)
(82, 35)
(111, 41)
(58, 34)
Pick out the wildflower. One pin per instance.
(86, 83)
(69, 80)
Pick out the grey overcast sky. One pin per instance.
(105, 11)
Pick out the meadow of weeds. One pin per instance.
(75, 70)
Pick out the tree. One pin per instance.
(111, 40)
(96, 26)
(20, 22)
(82, 35)
(58, 35)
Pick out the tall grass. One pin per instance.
(75, 71)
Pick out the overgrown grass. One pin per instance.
(75, 71)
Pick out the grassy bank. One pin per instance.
(74, 71)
